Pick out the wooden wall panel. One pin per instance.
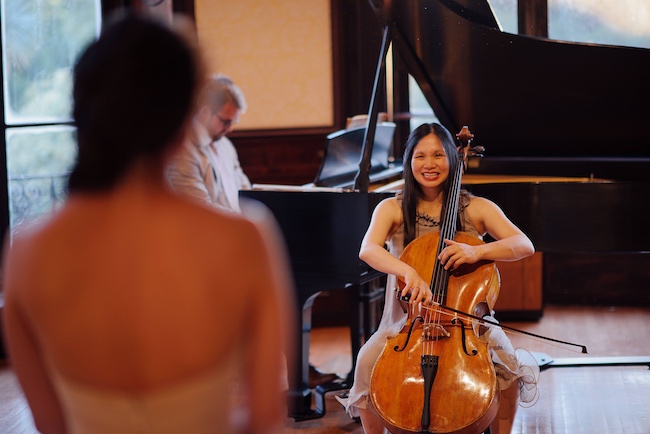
(521, 288)
(280, 156)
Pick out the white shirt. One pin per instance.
(208, 172)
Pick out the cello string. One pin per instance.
(440, 278)
(432, 323)
(427, 321)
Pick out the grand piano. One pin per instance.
(541, 108)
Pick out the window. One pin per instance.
(41, 40)
(506, 13)
(616, 22)
(421, 111)
(38, 161)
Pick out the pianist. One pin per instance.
(429, 156)
(207, 167)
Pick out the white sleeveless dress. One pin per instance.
(199, 405)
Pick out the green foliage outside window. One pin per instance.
(41, 40)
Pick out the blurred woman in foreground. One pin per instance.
(131, 309)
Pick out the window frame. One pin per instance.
(107, 7)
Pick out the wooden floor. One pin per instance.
(582, 400)
(573, 400)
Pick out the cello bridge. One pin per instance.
(434, 332)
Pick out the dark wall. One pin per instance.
(590, 278)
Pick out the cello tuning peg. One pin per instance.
(476, 151)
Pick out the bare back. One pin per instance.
(161, 286)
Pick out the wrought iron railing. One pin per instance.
(31, 196)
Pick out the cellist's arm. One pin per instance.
(386, 218)
(511, 243)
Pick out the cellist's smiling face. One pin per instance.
(429, 164)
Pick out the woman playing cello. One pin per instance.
(430, 153)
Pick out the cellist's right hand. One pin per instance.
(416, 288)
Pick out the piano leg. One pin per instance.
(299, 395)
(372, 306)
(356, 340)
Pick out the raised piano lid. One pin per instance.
(560, 102)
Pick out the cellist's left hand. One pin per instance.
(456, 254)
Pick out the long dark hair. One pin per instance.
(412, 191)
(133, 91)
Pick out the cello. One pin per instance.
(436, 375)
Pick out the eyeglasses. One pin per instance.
(226, 122)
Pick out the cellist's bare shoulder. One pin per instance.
(387, 216)
(487, 217)
(390, 208)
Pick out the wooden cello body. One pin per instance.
(464, 395)
(436, 375)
